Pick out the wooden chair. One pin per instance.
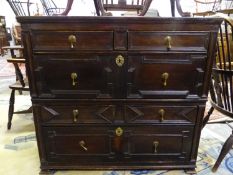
(21, 83)
(221, 86)
(16, 33)
(104, 6)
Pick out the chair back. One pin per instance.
(50, 8)
(208, 5)
(20, 7)
(140, 6)
(221, 89)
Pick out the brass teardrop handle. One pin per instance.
(155, 145)
(83, 145)
(75, 115)
(165, 77)
(162, 114)
(72, 40)
(74, 77)
(120, 60)
(168, 40)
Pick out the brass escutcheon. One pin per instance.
(119, 131)
(120, 60)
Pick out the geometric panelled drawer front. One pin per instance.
(78, 114)
(159, 143)
(160, 114)
(162, 76)
(118, 92)
(74, 76)
(91, 76)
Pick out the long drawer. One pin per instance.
(119, 75)
(147, 143)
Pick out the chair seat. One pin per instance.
(18, 86)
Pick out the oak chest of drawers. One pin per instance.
(118, 92)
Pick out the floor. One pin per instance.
(26, 161)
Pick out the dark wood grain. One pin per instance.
(111, 97)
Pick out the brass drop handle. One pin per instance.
(120, 60)
(83, 145)
(168, 40)
(155, 145)
(75, 115)
(72, 40)
(162, 114)
(165, 77)
(74, 77)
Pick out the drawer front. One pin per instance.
(72, 40)
(79, 114)
(166, 76)
(168, 41)
(160, 143)
(66, 144)
(113, 144)
(74, 76)
(161, 114)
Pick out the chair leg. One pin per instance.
(11, 109)
(207, 117)
(225, 149)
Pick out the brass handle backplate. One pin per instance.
(75, 115)
(72, 40)
(168, 40)
(165, 77)
(83, 145)
(162, 114)
(119, 131)
(74, 77)
(155, 145)
(120, 60)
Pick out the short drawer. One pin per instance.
(77, 114)
(161, 114)
(168, 41)
(166, 75)
(160, 143)
(74, 75)
(68, 144)
(72, 40)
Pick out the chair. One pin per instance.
(221, 86)
(21, 83)
(16, 33)
(104, 6)
(20, 8)
(50, 8)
